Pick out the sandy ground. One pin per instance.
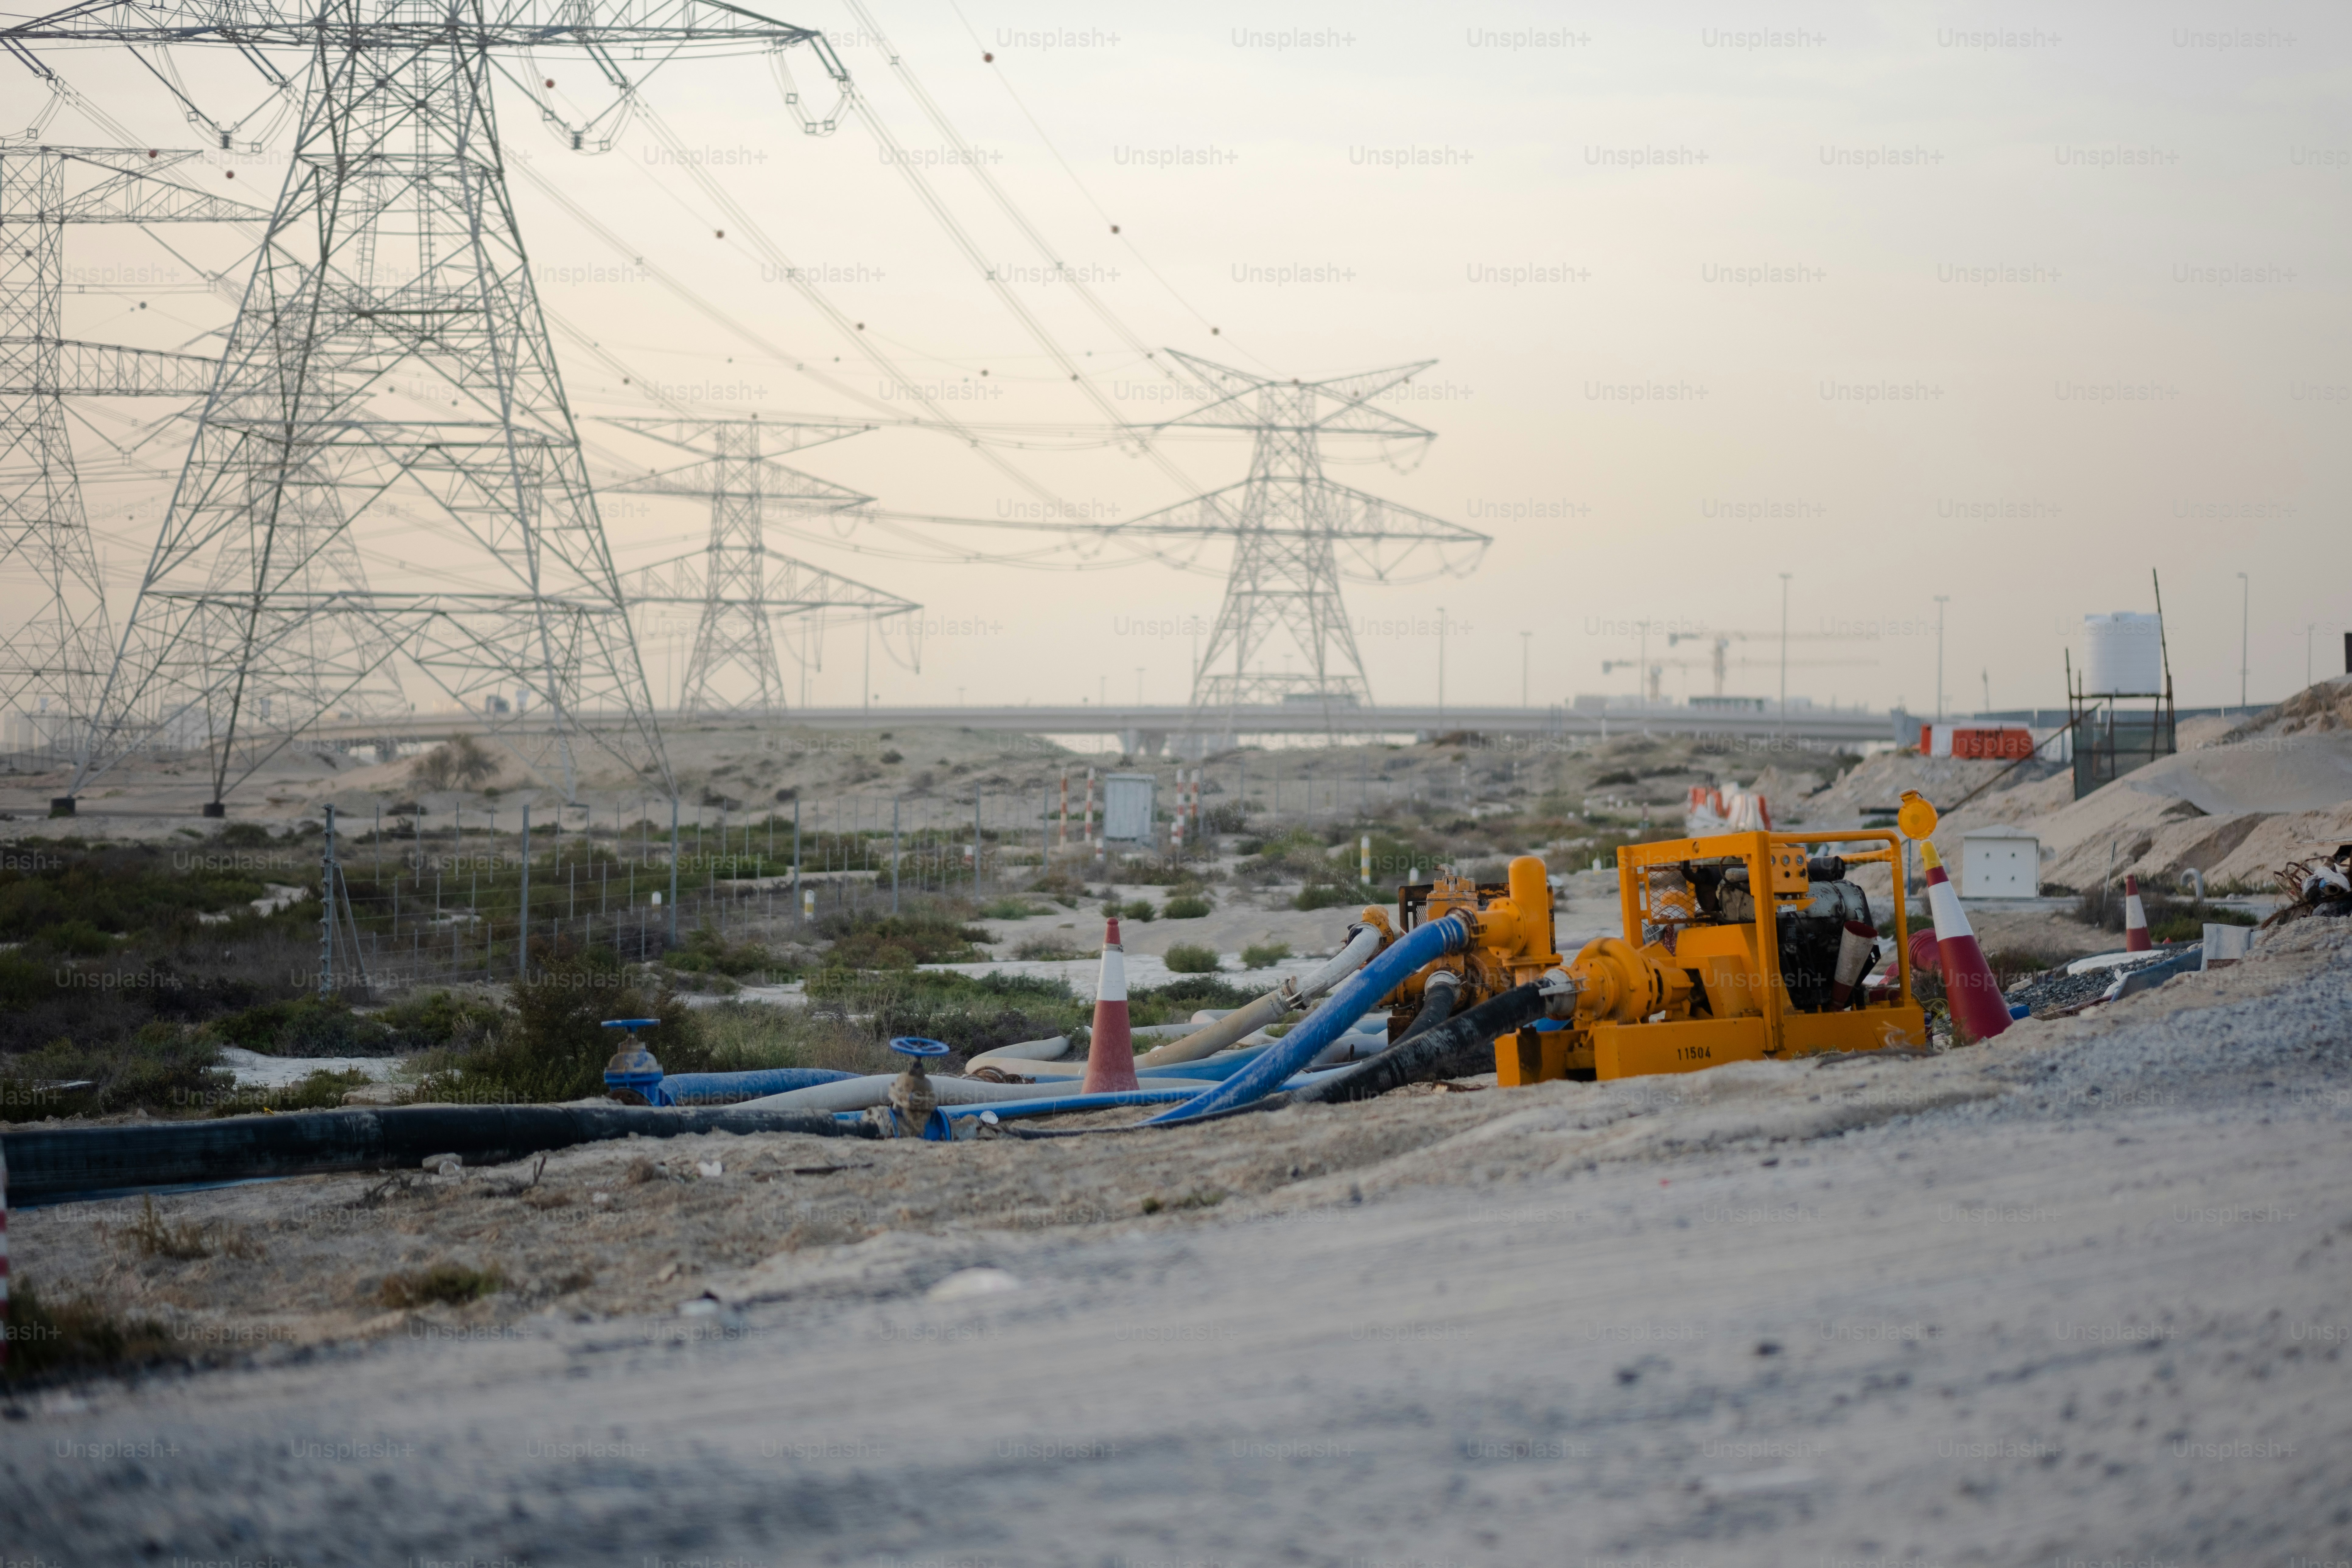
(2078, 1295)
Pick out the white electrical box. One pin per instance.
(1127, 808)
(2000, 862)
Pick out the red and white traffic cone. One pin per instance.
(1856, 943)
(1110, 1048)
(1978, 1013)
(2134, 917)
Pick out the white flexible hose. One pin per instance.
(859, 1093)
(1244, 1022)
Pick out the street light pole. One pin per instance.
(2245, 604)
(1784, 653)
(1441, 667)
(1941, 600)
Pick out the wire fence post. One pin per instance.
(894, 855)
(798, 898)
(522, 919)
(673, 870)
(326, 908)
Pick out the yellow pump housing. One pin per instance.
(1699, 980)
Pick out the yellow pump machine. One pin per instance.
(1738, 947)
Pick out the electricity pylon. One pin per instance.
(391, 347)
(56, 639)
(1296, 534)
(740, 587)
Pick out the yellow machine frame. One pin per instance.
(1637, 1009)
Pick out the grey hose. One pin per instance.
(1353, 955)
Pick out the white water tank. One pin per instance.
(2123, 655)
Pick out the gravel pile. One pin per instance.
(2055, 990)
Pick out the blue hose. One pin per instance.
(937, 1130)
(718, 1088)
(1340, 1011)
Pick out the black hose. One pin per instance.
(1455, 1049)
(52, 1163)
(1437, 999)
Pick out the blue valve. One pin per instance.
(916, 1047)
(632, 1077)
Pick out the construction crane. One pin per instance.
(1657, 666)
(1722, 642)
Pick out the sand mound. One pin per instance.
(1877, 786)
(2325, 706)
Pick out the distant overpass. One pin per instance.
(1143, 730)
(1146, 730)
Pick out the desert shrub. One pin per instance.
(47, 1340)
(970, 1013)
(452, 1284)
(1009, 910)
(1326, 896)
(1134, 910)
(1187, 958)
(1186, 907)
(1180, 999)
(706, 951)
(899, 942)
(1048, 950)
(555, 1046)
(163, 1067)
(458, 762)
(1264, 954)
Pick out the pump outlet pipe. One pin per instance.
(1438, 939)
(1437, 998)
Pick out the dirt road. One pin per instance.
(2081, 1296)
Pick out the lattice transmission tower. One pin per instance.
(391, 352)
(739, 588)
(1296, 534)
(55, 638)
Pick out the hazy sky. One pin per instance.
(2005, 303)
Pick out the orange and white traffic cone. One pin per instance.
(2134, 917)
(1110, 1048)
(1978, 1013)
